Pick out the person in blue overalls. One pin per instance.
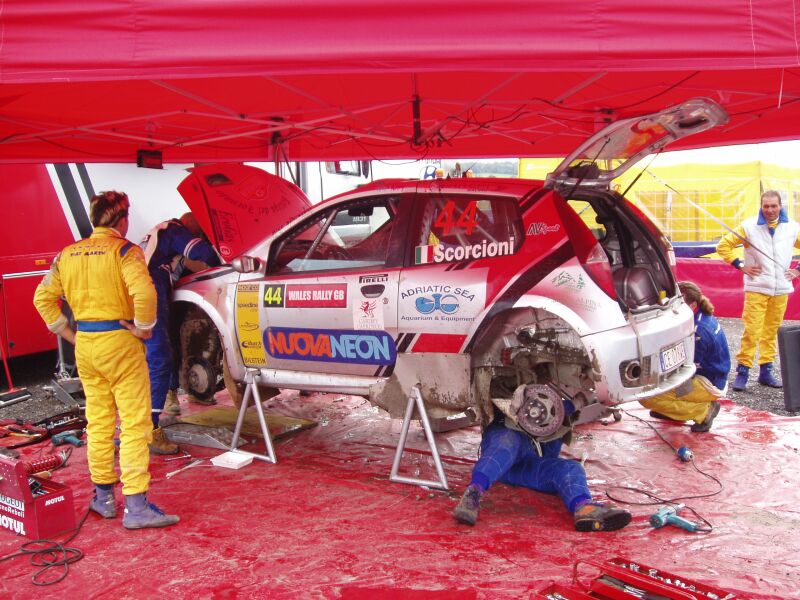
(171, 249)
(509, 455)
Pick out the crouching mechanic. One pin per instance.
(511, 456)
(171, 249)
(105, 281)
(697, 399)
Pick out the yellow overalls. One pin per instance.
(104, 279)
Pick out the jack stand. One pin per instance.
(251, 390)
(415, 400)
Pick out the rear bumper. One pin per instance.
(643, 344)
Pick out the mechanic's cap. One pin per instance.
(107, 209)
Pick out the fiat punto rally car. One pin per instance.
(513, 293)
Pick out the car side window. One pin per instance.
(352, 235)
(466, 227)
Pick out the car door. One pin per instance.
(328, 303)
(458, 242)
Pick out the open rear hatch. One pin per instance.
(613, 150)
(639, 255)
(238, 205)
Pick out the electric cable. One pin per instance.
(49, 554)
(654, 498)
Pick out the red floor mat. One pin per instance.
(325, 522)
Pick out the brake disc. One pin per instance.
(541, 412)
(201, 378)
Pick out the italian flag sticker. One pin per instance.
(423, 255)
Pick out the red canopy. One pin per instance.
(206, 80)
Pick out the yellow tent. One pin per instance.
(730, 192)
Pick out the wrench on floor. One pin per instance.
(188, 465)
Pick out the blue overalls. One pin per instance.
(164, 246)
(510, 456)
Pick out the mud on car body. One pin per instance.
(508, 293)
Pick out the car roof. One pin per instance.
(486, 185)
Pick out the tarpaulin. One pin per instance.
(724, 286)
(211, 80)
(325, 522)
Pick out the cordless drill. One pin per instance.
(71, 436)
(668, 515)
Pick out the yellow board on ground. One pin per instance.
(225, 416)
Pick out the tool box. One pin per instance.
(622, 579)
(31, 506)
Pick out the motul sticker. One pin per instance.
(12, 524)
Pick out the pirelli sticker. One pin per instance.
(248, 299)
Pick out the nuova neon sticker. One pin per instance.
(331, 345)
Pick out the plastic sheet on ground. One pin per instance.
(325, 521)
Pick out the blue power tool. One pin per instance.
(73, 436)
(668, 515)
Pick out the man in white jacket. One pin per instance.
(771, 238)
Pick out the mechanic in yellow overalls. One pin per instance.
(770, 238)
(106, 284)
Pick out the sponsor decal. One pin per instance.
(368, 308)
(315, 295)
(569, 281)
(438, 307)
(362, 347)
(463, 292)
(542, 228)
(446, 303)
(55, 500)
(12, 505)
(588, 304)
(440, 253)
(377, 278)
(368, 314)
(248, 331)
(12, 524)
(274, 296)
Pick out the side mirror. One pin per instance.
(246, 264)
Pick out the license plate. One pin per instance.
(672, 357)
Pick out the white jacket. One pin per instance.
(780, 246)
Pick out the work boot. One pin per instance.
(160, 443)
(468, 506)
(740, 383)
(104, 503)
(201, 401)
(597, 516)
(139, 514)
(658, 415)
(705, 424)
(766, 377)
(171, 405)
